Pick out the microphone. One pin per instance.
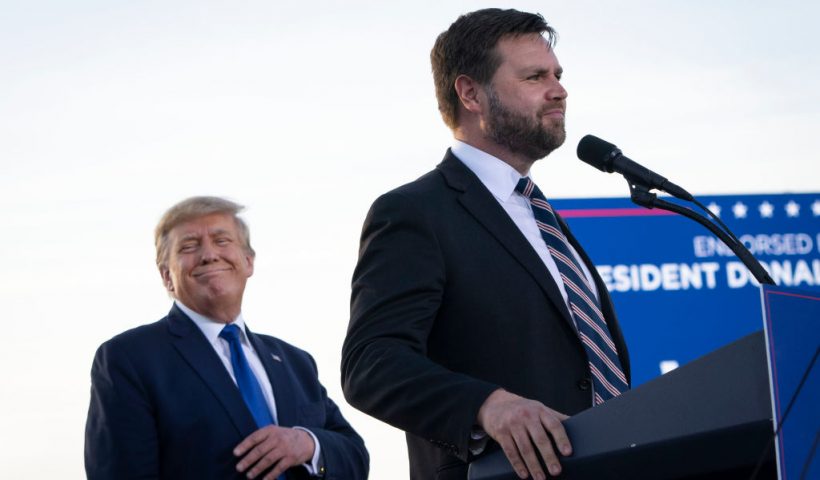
(608, 158)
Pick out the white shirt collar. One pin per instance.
(496, 174)
(211, 328)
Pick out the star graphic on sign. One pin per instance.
(766, 209)
(815, 208)
(714, 208)
(792, 209)
(739, 209)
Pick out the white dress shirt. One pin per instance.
(500, 179)
(211, 330)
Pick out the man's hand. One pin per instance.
(517, 423)
(272, 445)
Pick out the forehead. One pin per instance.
(212, 224)
(526, 51)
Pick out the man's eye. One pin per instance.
(223, 241)
(188, 248)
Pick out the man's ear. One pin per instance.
(468, 91)
(166, 278)
(249, 259)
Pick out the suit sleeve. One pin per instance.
(120, 434)
(343, 454)
(398, 287)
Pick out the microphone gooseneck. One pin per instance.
(608, 158)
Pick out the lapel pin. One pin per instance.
(276, 357)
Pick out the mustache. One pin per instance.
(560, 105)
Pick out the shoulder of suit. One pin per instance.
(432, 186)
(419, 187)
(141, 333)
(138, 340)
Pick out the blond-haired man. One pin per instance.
(197, 394)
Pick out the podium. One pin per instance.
(713, 418)
(710, 419)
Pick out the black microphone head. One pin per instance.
(598, 153)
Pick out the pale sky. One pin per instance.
(111, 111)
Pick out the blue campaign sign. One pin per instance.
(679, 292)
(793, 341)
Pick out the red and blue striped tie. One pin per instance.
(608, 379)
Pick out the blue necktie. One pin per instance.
(245, 379)
(608, 379)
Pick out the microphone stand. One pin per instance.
(640, 195)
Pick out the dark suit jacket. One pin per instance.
(449, 303)
(164, 406)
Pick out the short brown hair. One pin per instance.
(197, 207)
(468, 48)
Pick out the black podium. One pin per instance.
(710, 419)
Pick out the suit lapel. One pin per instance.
(280, 379)
(199, 354)
(481, 204)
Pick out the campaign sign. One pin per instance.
(793, 343)
(679, 292)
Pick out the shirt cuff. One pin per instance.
(313, 467)
(478, 441)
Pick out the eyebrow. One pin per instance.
(219, 231)
(196, 236)
(542, 71)
(190, 236)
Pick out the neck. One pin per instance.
(520, 163)
(218, 313)
(223, 316)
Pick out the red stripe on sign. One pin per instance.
(614, 212)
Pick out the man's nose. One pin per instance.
(208, 253)
(556, 91)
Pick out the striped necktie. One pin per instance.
(608, 379)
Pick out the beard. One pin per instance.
(520, 133)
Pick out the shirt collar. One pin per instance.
(211, 328)
(496, 174)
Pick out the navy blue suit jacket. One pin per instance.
(164, 406)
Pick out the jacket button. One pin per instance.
(584, 384)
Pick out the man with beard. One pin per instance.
(477, 320)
